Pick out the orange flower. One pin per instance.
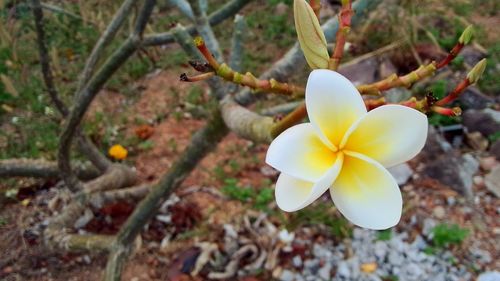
(118, 152)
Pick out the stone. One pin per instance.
(454, 171)
(82, 221)
(287, 275)
(268, 171)
(488, 163)
(492, 181)
(495, 149)
(428, 226)
(435, 146)
(471, 55)
(325, 272)
(386, 69)
(396, 95)
(439, 212)
(489, 276)
(343, 270)
(473, 98)
(362, 72)
(486, 121)
(281, 9)
(401, 173)
(477, 141)
(297, 261)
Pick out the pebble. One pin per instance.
(489, 276)
(287, 275)
(297, 261)
(325, 271)
(439, 212)
(397, 256)
(343, 270)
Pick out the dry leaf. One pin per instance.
(8, 85)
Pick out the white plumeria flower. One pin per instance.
(346, 149)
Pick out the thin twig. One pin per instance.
(225, 12)
(104, 40)
(86, 146)
(87, 94)
(44, 59)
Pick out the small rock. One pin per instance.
(473, 98)
(451, 200)
(386, 69)
(297, 261)
(471, 55)
(281, 9)
(396, 95)
(489, 276)
(488, 163)
(343, 270)
(486, 121)
(362, 72)
(454, 171)
(419, 243)
(495, 149)
(435, 146)
(82, 221)
(478, 180)
(429, 225)
(268, 171)
(477, 141)
(401, 173)
(287, 275)
(439, 212)
(492, 181)
(325, 272)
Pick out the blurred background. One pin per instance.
(222, 223)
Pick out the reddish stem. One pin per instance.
(455, 93)
(451, 55)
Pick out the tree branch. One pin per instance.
(201, 144)
(104, 40)
(87, 94)
(42, 169)
(228, 10)
(86, 146)
(44, 59)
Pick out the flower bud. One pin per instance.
(477, 71)
(466, 35)
(310, 35)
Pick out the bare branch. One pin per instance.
(87, 94)
(245, 123)
(44, 59)
(184, 7)
(201, 144)
(86, 146)
(280, 109)
(236, 57)
(294, 58)
(227, 11)
(104, 40)
(134, 193)
(56, 234)
(42, 169)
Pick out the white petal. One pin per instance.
(390, 134)
(299, 152)
(333, 104)
(366, 193)
(293, 194)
